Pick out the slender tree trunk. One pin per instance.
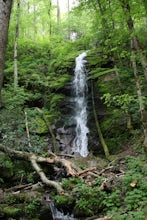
(68, 9)
(135, 41)
(5, 11)
(102, 140)
(50, 17)
(106, 34)
(16, 47)
(34, 20)
(58, 12)
(55, 150)
(139, 93)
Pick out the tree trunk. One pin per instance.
(50, 17)
(16, 46)
(58, 12)
(55, 150)
(135, 41)
(112, 54)
(68, 9)
(5, 11)
(34, 20)
(102, 140)
(139, 93)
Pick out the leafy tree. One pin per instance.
(5, 11)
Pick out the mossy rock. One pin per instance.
(10, 211)
(64, 202)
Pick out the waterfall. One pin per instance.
(80, 142)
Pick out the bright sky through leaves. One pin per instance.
(63, 4)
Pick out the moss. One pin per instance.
(64, 202)
(11, 211)
(17, 198)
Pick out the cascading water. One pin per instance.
(80, 142)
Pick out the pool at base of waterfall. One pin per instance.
(60, 216)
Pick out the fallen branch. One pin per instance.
(103, 170)
(67, 155)
(97, 218)
(80, 173)
(43, 177)
(34, 159)
(18, 187)
(27, 129)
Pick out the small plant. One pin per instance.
(31, 209)
(71, 183)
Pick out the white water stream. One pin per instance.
(80, 143)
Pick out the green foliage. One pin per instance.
(6, 167)
(71, 183)
(64, 201)
(11, 211)
(31, 209)
(121, 101)
(21, 204)
(113, 200)
(94, 74)
(133, 195)
(90, 200)
(126, 201)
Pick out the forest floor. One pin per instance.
(14, 195)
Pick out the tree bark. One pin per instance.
(140, 99)
(135, 41)
(34, 20)
(58, 12)
(5, 11)
(102, 140)
(55, 150)
(16, 47)
(50, 17)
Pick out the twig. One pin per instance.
(27, 129)
(67, 155)
(86, 170)
(18, 187)
(103, 170)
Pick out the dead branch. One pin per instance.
(14, 188)
(34, 159)
(67, 155)
(43, 177)
(80, 173)
(103, 170)
(27, 129)
(97, 218)
(69, 167)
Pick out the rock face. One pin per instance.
(65, 126)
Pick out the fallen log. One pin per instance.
(98, 218)
(36, 160)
